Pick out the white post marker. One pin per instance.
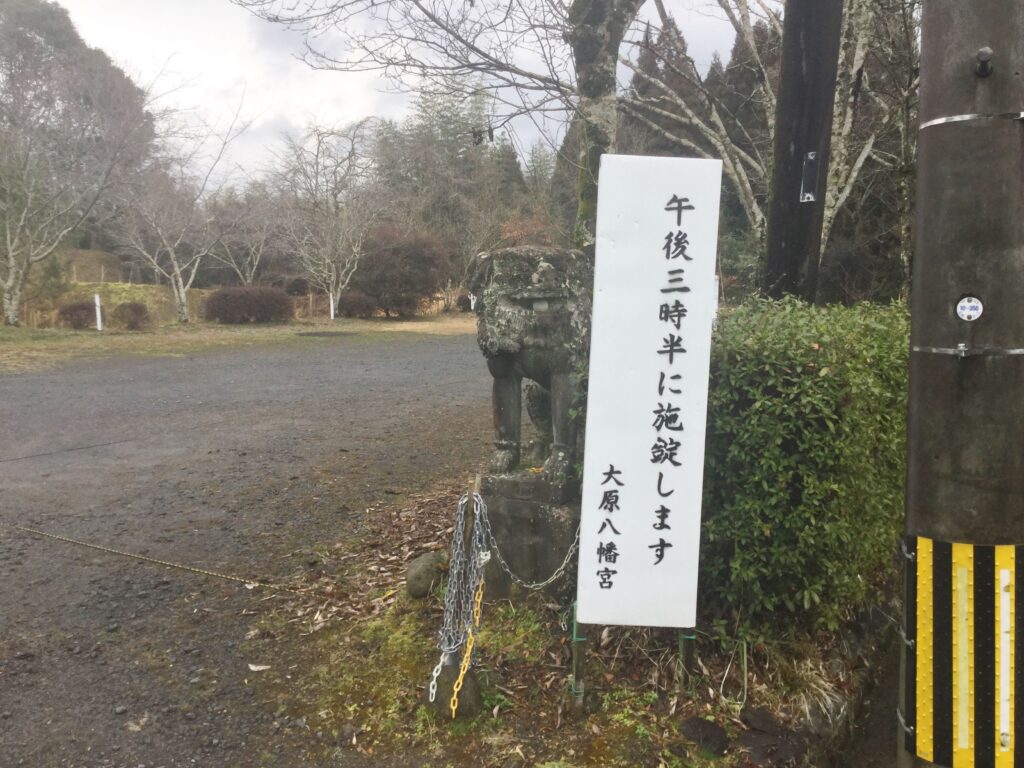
(99, 312)
(654, 301)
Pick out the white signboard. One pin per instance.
(654, 302)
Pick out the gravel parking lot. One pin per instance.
(239, 461)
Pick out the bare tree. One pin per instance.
(536, 57)
(551, 56)
(162, 218)
(323, 178)
(249, 226)
(679, 105)
(69, 120)
(876, 98)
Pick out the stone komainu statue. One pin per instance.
(533, 320)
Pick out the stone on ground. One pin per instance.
(425, 573)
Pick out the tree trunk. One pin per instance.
(843, 162)
(906, 217)
(180, 292)
(450, 294)
(13, 287)
(598, 27)
(908, 162)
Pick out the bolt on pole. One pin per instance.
(961, 699)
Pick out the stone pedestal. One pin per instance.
(471, 700)
(534, 521)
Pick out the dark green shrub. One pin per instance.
(353, 303)
(249, 305)
(131, 315)
(803, 498)
(77, 314)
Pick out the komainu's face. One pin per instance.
(526, 302)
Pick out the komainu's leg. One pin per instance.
(563, 389)
(508, 409)
(538, 405)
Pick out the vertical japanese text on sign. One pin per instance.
(654, 302)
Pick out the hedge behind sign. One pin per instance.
(803, 500)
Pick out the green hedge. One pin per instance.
(803, 498)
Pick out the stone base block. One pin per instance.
(534, 522)
(471, 700)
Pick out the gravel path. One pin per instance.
(238, 461)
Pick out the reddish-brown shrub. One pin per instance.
(523, 230)
(249, 305)
(399, 270)
(77, 314)
(131, 315)
(297, 286)
(353, 303)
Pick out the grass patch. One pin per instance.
(28, 349)
(363, 685)
(357, 681)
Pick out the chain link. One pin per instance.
(434, 675)
(463, 669)
(465, 573)
(464, 595)
(465, 591)
(481, 511)
(477, 603)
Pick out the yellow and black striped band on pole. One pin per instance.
(963, 651)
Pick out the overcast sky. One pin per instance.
(224, 55)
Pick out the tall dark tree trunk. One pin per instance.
(598, 27)
(803, 125)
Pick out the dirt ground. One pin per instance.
(875, 736)
(286, 458)
(234, 460)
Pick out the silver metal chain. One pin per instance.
(481, 513)
(434, 675)
(466, 574)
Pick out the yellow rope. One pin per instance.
(249, 583)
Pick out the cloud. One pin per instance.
(222, 55)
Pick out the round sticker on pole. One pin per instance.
(969, 309)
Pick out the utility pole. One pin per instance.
(962, 700)
(812, 32)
